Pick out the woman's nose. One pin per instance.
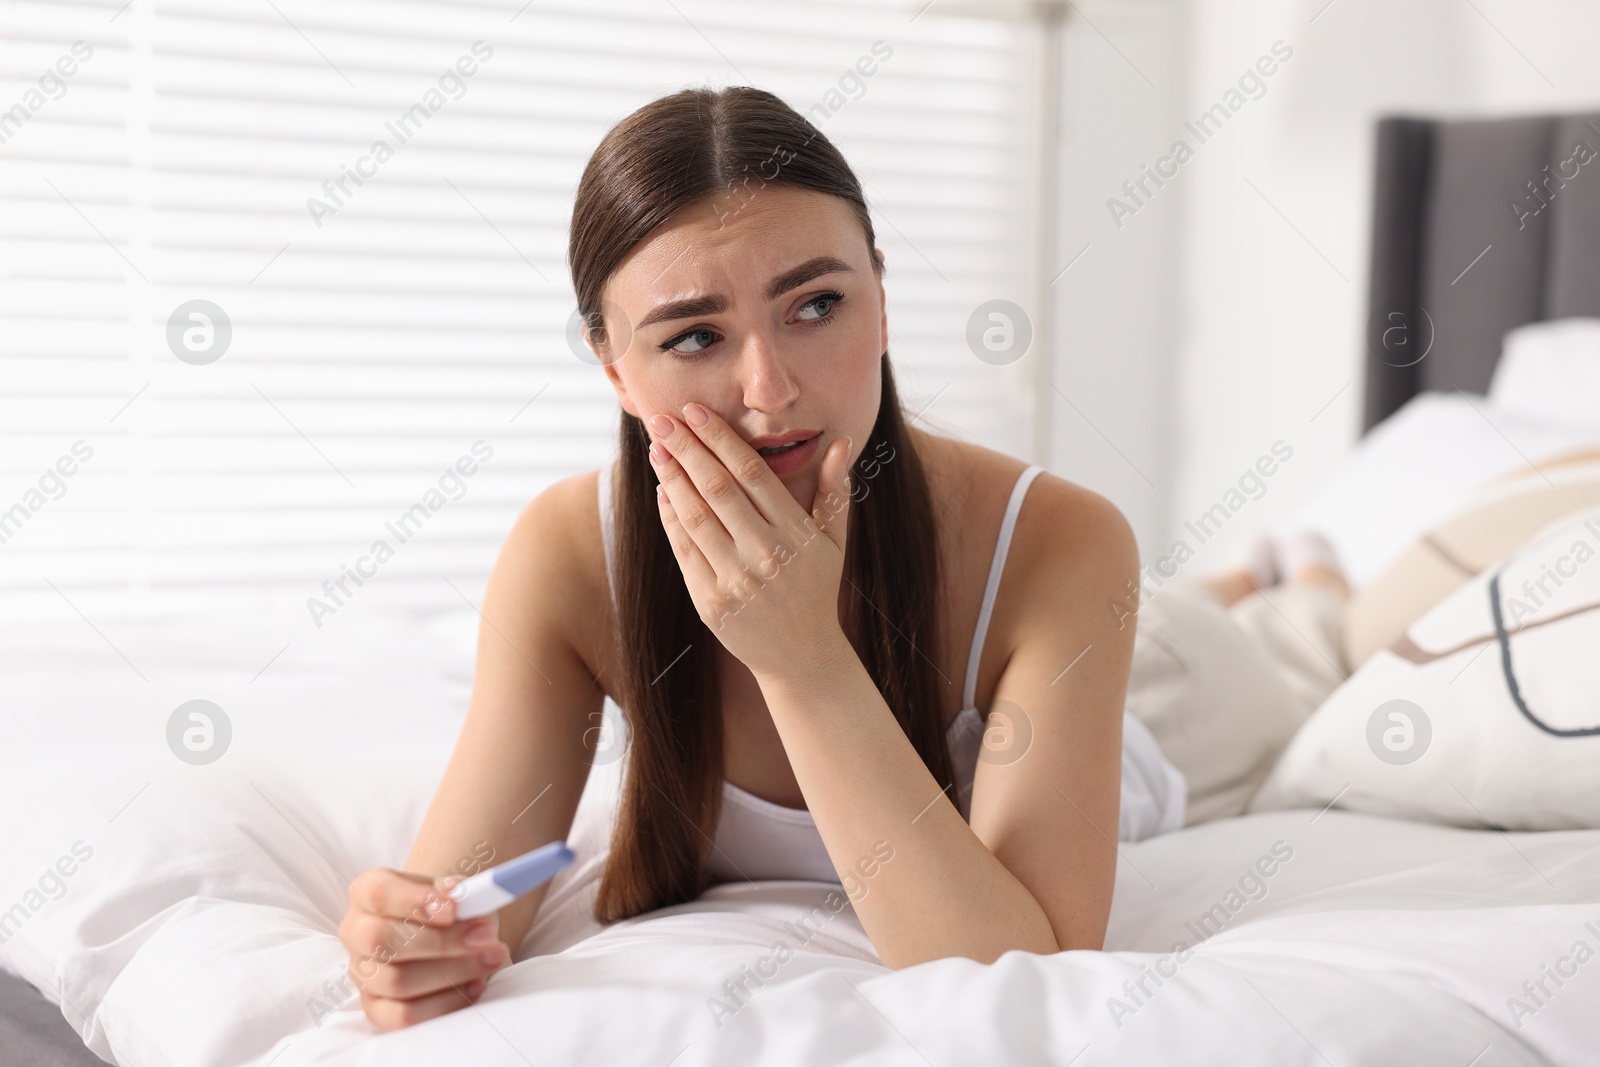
(767, 380)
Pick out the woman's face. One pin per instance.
(766, 311)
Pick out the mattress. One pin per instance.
(201, 927)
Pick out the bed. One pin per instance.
(163, 914)
(1478, 226)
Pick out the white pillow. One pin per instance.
(1472, 737)
(1551, 370)
(1418, 467)
(116, 857)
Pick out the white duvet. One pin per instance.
(200, 927)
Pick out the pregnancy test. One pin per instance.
(493, 889)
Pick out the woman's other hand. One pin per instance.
(410, 957)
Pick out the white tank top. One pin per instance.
(757, 839)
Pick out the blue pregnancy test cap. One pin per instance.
(532, 870)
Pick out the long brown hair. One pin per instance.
(666, 156)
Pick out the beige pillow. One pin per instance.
(1500, 517)
(1215, 702)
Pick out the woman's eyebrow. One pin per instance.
(793, 278)
(798, 276)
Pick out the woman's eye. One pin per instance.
(702, 339)
(819, 308)
(825, 301)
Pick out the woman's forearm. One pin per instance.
(941, 892)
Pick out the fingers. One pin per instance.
(397, 916)
(377, 937)
(831, 506)
(690, 505)
(400, 895)
(387, 1013)
(730, 476)
(697, 570)
(713, 444)
(416, 978)
(410, 957)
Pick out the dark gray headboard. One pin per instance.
(1478, 226)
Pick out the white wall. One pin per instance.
(1270, 330)
(1115, 327)
(1227, 313)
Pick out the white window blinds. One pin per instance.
(241, 344)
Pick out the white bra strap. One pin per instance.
(969, 694)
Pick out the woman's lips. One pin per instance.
(795, 458)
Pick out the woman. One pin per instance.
(802, 624)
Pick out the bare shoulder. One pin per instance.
(1072, 525)
(562, 522)
(1059, 521)
(1077, 563)
(552, 562)
(1071, 545)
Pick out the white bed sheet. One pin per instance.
(202, 930)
